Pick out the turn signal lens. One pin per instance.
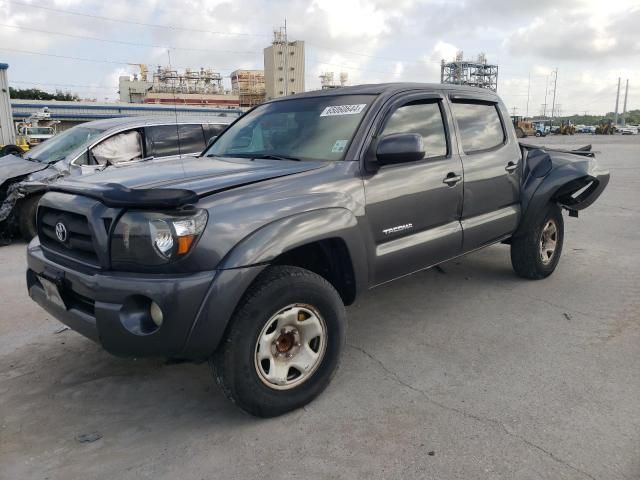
(184, 244)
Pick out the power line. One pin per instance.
(122, 42)
(93, 60)
(132, 22)
(189, 29)
(66, 85)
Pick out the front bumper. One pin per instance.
(110, 307)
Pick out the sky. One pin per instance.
(590, 43)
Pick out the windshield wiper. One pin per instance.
(269, 156)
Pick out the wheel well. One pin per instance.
(328, 258)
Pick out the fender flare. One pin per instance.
(543, 184)
(273, 239)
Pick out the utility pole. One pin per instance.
(615, 117)
(624, 109)
(546, 92)
(528, 90)
(513, 110)
(555, 85)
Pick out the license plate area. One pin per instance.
(52, 292)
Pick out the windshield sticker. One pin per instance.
(339, 146)
(335, 110)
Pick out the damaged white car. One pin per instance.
(90, 148)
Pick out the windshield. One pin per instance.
(319, 128)
(59, 146)
(39, 131)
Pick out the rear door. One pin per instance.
(413, 215)
(491, 161)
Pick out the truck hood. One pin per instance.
(12, 166)
(201, 175)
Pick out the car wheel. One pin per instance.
(538, 134)
(535, 253)
(11, 150)
(283, 344)
(27, 217)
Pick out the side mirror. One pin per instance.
(400, 148)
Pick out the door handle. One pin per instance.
(451, 179)
(511, 167)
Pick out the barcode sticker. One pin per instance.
(335, 110)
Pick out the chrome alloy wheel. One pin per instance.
(290, 347)
(548, 242)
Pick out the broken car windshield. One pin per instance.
(59, 146)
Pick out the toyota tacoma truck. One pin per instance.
(247, 256)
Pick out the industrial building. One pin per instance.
(283, 66)
(72, 113)
(169, 86)
(327, 81)
(249, 86)
(475, 73)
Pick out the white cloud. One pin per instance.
(591, 42)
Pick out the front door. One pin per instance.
(414, 208)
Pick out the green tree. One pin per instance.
(37, 94)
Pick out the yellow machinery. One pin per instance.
(567, 128)
(524, 128)
(605, 128)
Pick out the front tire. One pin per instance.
(27, 217)
(536, 252)
(283, 343)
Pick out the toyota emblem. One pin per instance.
(61, 232)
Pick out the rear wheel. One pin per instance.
(27, 217)
(283, 344)
(535, 253)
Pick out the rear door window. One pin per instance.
(479, 126)
(191, 138)
(164, 139)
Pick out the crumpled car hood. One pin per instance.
(203, 176)
(12, 166)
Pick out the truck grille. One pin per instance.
(67, 234)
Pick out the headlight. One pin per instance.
(154, 238)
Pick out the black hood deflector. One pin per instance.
(118, 196)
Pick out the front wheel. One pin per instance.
(27, 217)
(11, 150)
(283, 344)
(536, 252)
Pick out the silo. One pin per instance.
(7, 132)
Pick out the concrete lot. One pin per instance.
(463, 373)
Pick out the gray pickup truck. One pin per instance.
(247, 257)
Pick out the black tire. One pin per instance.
(234, 363)
(538, 134)
(27, 216)
(526, 257)
(11, 150)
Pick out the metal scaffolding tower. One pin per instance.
(468, 72)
